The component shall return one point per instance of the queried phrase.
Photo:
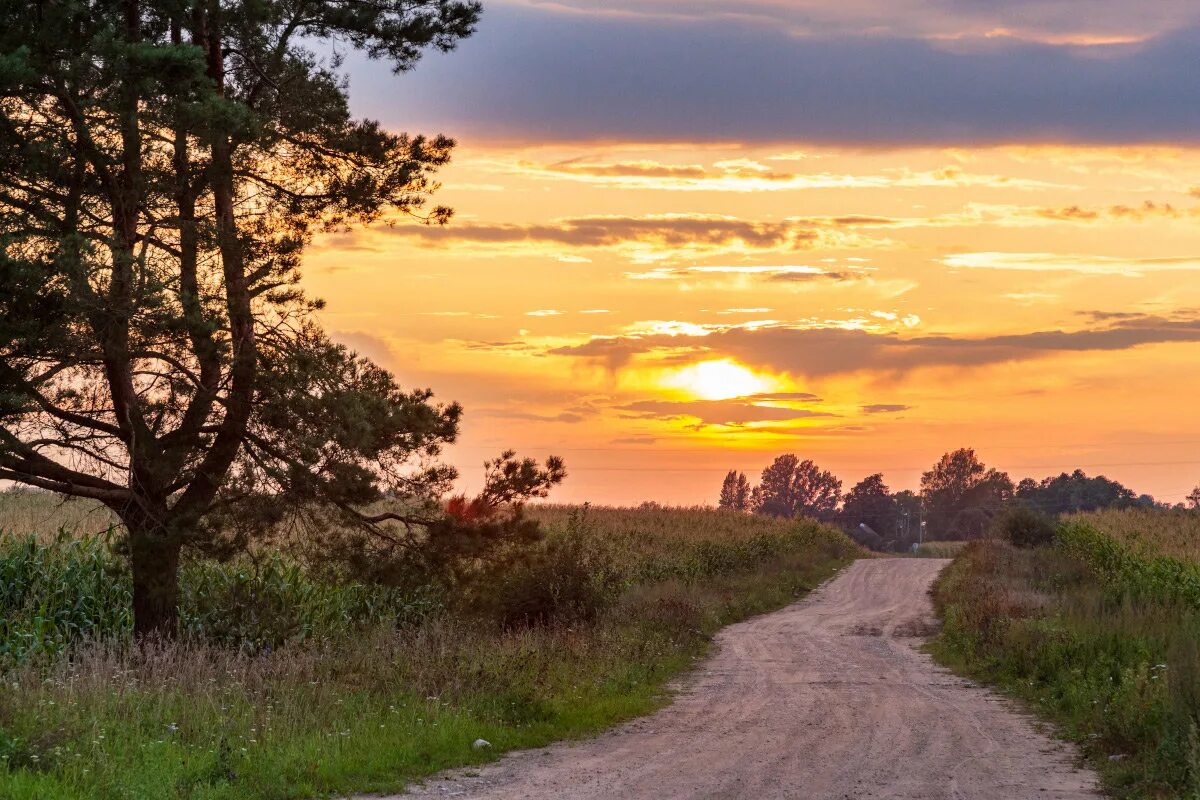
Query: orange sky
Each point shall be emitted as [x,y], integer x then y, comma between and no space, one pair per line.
[658,314]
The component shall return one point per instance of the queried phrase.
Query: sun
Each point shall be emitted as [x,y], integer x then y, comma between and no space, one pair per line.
[717,380]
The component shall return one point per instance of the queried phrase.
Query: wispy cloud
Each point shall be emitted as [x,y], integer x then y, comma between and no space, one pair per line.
[1067,262]
[738,411]
[884,408]
[646,239]
[746,175]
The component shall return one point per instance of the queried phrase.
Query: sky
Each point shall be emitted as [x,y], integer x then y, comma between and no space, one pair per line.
[692,236]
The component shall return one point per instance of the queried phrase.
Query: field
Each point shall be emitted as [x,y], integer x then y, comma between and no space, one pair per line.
[286,686]
[1099,632]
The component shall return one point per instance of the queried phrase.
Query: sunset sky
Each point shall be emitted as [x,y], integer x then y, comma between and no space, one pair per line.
[691,236]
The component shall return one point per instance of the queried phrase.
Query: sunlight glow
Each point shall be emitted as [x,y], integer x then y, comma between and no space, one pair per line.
[717,380]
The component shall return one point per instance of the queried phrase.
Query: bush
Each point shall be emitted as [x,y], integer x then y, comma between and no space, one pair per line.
[1024,527]
[567,577]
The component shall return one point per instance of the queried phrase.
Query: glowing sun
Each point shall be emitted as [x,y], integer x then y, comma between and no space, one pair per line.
[717,380]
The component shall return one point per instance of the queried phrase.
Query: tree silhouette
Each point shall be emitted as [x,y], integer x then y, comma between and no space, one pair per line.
[735,492]
[961,495]
[163,164]
[1073,492]
[870,502]
[791,487]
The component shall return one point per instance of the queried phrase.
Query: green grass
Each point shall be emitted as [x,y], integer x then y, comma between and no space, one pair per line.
[361,703]
[1100,641]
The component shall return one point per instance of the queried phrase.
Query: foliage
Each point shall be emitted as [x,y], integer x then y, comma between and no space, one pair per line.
[961,496]
[1126,572]
[1099,636]
[871,503]
[569,577]
[1022,526]
[791,488]
[1074,492]
[163,166]
[369,710]
[1150,532]
[58,595]
[735,492]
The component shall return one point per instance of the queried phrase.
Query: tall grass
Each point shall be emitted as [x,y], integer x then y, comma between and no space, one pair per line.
[1150,532]
[290,687]
[28,512]
[1100,632]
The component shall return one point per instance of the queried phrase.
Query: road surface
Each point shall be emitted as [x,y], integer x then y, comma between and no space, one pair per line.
[828,698]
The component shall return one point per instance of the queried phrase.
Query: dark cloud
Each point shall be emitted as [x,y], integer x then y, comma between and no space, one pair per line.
[738,411]
[1147,210]
[940,18]
[832,351]
[665,231]
[884,408]
[537,74]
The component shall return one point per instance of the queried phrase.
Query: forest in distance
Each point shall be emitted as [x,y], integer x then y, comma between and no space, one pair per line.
[960,498]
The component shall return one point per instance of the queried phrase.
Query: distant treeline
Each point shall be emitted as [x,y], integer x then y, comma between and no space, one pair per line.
[959,498]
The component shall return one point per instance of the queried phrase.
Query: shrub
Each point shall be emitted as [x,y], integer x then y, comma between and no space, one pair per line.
[1024,527]
[567,577]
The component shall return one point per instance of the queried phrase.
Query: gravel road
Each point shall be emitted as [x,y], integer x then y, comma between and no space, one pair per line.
[828,698]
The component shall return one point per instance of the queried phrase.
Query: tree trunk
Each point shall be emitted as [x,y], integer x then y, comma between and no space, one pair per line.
[154,560]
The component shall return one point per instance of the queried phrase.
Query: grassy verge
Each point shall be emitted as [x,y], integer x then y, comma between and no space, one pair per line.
[1099,640]
[367,708]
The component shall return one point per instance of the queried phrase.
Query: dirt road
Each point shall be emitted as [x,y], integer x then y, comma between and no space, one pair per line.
[825,699]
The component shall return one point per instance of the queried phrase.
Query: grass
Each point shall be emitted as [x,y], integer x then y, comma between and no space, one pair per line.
[362,704]
[1151,532]
[939,549]
[1097,635]
[41,514]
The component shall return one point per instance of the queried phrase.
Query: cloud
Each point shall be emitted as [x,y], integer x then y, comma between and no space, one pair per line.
[569,417]
[367,345]
[745,175]
[1041,20]
[545,312]
[739,411]
[769,272]
[1068,262]
[539,74]
[646,238]
[825,351]
[884,408]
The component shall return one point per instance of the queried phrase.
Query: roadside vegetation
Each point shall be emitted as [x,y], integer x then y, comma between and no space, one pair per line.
[285,683]
[1096,624]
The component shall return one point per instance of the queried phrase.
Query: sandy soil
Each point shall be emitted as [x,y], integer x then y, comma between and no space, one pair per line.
[828,698]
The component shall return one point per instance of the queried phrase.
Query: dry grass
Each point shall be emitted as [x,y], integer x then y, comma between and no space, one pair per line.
[26,511]
[1151,532]
[663,524]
